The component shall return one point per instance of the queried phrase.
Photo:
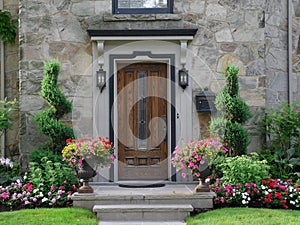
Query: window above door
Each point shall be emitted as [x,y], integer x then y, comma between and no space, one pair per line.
[142,6]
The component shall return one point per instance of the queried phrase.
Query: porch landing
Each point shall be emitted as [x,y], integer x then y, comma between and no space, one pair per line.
[111,194]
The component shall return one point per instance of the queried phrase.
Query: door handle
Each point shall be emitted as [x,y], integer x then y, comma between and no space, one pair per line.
[164,127]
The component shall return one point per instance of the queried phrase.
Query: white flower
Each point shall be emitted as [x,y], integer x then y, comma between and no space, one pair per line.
[263,187]
[244,202]
[291,195]
[18,181]
[249,198]
[266,192]
[44,199]
[35,190]
[207,180]
[292,202]
[270,190]
[233,194]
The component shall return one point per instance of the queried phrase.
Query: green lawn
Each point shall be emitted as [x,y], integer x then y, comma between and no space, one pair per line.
[65,216]
[226,216]
[247,216]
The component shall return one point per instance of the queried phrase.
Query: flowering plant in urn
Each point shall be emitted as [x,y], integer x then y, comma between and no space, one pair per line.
[86,155]
[196,156]
[98,150]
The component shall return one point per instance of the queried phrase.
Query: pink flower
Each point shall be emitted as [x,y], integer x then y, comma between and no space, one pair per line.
[52,188]
[282,187]
[53,200]
[183,175]
[34,199]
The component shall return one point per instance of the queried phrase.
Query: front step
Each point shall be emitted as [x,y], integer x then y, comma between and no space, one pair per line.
[141,212]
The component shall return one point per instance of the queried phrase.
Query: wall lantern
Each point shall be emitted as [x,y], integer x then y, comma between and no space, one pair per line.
[183,78]
[205,101]
[101,79]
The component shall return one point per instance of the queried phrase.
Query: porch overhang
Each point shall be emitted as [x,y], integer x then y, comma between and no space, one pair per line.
[142,34]
[181,35]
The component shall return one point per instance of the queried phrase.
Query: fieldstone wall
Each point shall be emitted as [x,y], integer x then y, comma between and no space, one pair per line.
[11,80]
[296,53]
[251,34]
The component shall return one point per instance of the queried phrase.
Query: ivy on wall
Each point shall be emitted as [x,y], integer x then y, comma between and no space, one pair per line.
[8,27]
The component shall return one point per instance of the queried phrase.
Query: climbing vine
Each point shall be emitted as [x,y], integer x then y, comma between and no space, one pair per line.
[48,120]
[8,27]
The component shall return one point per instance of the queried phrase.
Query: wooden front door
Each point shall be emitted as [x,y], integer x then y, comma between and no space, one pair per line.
[142,122]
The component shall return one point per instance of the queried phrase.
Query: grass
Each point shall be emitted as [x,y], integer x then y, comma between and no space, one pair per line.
[226,216]
[249,216]
[65,216]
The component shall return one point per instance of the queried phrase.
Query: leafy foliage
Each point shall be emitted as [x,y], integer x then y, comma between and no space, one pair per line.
[39,153]
[8,27]
[46,174]
[48,120]
[242,169]
[232,112]
[7,109]
[282,149]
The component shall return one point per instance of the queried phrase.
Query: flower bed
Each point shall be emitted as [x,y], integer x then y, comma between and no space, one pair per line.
[23,194]
[269,194]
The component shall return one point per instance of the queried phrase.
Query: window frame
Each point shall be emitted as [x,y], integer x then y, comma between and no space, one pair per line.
[116,10]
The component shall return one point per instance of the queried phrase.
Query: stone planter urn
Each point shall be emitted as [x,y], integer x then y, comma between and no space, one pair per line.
[202,187]
[86,173]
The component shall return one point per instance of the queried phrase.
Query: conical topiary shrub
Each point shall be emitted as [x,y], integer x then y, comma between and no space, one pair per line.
[232,113]
[48,120]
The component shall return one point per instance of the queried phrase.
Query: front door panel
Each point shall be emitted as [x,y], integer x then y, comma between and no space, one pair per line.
[142,122]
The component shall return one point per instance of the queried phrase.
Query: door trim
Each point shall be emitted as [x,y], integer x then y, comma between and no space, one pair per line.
[169,59]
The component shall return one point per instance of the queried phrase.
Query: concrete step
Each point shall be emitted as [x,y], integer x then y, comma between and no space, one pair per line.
[143,212]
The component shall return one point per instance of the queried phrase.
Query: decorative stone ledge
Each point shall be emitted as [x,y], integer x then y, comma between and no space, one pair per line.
[141,17]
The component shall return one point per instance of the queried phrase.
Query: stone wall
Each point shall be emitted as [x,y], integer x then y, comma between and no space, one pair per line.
[11,67]
[251,34]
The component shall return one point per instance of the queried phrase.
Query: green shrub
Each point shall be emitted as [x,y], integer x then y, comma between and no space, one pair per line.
[7,109]
[241,169]
[47,173]
[48,120]
[232,112]
[281,125]
[39,153]
[8,27]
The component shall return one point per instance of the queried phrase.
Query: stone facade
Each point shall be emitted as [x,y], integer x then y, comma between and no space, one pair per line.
[251,34]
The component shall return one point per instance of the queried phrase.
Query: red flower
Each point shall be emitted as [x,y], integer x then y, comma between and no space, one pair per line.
[269,196]
[278,195]
[69,140]
[285,206]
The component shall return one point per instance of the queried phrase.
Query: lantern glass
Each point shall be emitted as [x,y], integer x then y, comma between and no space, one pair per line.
[183,78]
[101,79]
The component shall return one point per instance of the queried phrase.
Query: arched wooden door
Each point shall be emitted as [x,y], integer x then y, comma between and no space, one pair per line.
[142,122]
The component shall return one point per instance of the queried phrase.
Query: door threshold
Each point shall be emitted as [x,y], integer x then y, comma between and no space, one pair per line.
[141,183]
